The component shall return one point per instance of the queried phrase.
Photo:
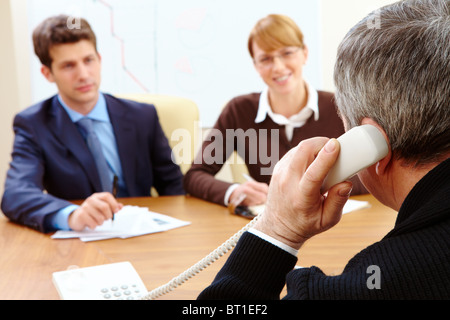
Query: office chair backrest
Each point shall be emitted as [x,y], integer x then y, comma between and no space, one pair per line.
[179,118]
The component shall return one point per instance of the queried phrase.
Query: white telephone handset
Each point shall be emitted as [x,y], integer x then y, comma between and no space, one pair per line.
[361,147]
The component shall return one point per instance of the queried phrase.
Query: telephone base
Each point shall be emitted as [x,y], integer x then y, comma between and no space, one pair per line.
[116,281]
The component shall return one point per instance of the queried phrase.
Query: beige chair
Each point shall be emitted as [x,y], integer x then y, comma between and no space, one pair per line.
[179,118]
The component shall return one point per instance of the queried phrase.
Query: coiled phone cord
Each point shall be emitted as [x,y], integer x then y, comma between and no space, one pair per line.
[201,265]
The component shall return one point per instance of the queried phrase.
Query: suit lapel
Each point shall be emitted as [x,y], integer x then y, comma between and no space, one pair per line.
[125,134]
[66,131]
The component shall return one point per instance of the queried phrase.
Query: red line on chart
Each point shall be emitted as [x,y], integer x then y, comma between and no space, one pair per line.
[122,45]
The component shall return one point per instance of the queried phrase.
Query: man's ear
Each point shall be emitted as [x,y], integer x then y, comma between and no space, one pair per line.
[47,73]
[382,165]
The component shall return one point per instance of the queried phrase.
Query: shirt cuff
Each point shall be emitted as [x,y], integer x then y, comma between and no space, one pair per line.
[60,220]
[230,190]
[273,241]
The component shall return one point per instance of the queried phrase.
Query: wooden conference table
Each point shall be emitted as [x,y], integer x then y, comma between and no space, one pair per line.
[28,258]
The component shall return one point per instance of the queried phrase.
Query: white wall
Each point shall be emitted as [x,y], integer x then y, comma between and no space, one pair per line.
[337,16]
[15,86]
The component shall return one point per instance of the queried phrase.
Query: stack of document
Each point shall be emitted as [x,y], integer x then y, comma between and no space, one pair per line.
[131,221]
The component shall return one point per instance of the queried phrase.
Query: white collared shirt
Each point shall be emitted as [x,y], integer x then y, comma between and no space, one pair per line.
[295,121]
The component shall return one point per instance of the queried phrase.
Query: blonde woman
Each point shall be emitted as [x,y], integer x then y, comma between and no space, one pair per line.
[263,126]
[376,76]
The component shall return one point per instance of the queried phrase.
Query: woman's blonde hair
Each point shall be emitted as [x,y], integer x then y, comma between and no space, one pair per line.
[274,32]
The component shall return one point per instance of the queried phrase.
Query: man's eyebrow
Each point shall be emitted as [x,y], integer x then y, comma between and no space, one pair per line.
[91,55]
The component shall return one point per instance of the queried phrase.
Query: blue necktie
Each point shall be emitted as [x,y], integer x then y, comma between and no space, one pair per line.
[96,149]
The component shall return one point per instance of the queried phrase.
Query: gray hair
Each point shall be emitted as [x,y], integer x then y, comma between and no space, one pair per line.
[399,75]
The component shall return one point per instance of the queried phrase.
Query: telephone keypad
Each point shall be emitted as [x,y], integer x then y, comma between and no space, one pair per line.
[125,291]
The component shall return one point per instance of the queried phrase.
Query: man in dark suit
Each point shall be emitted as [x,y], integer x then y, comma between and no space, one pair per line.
[53,160]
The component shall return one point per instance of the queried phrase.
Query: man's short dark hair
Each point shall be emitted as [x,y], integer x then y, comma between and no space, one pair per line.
[60,30]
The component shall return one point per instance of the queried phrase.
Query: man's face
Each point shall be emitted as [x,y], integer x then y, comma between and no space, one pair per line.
[76,71]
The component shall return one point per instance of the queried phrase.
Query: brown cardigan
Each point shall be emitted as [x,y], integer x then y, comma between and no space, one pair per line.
[255,149]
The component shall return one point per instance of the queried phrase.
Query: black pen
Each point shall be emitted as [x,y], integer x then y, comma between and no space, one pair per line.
[114,189]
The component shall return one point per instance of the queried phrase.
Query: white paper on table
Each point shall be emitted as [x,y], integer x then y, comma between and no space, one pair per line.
[353,205]
[131,221]
[350,205]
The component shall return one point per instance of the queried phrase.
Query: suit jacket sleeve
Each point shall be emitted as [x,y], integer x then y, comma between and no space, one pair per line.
[24,200]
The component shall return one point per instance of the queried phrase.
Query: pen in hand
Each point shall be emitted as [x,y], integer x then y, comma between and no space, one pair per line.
[114,190]
[247,177]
